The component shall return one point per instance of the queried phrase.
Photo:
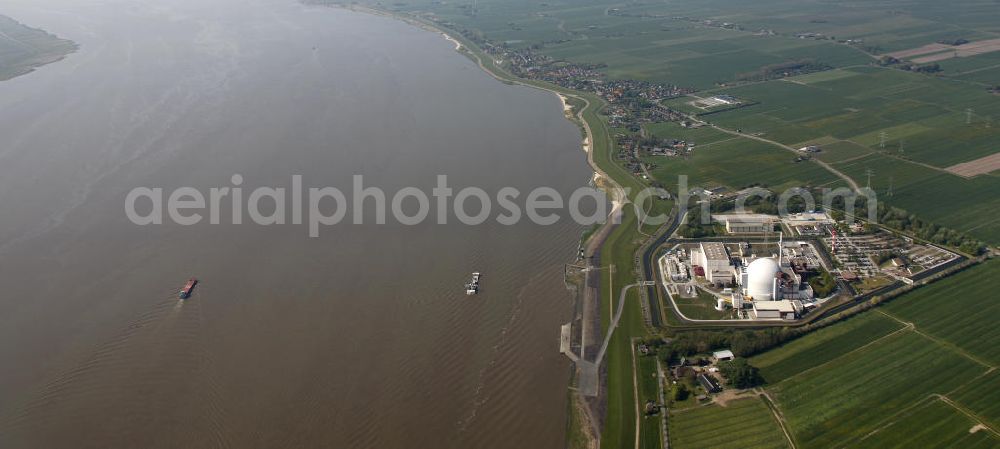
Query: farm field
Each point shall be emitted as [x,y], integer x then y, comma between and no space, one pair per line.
[849,115]
[854,395]
[699,136]
[957,67]
[689,55]
[986,75]
[649,427]
[980,397]
[689,43]
[823,346]
[703,44]
[708,426]
[842,151]
[965,204]
[957,317]
[725,162]
[936,121]
[935,375]
[932,424]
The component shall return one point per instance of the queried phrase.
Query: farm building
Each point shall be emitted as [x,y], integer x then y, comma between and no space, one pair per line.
[726,99]
[709,383]
[723,355]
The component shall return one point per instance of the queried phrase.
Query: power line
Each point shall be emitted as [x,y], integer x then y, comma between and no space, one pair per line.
[870,173]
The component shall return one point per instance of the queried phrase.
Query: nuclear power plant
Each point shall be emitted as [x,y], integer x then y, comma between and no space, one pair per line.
[751,285]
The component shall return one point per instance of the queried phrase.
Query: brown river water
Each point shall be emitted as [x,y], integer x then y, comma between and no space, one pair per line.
[361,338]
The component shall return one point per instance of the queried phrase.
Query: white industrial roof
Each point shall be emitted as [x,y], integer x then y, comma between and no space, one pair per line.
[745,218]
[723,354]
[780,306]
[715,251]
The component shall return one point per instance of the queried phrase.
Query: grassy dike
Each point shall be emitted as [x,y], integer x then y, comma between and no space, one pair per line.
[619,250]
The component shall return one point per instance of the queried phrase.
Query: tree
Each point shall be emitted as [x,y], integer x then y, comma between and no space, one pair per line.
[740,374]
[680,391]
[824,283]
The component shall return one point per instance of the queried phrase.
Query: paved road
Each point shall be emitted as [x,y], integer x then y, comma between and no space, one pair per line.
[614,321]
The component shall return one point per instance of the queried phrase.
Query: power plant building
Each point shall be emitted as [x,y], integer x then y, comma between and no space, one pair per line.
[759,280]
[746,223]
[713,257]
[771,292]
[776,310]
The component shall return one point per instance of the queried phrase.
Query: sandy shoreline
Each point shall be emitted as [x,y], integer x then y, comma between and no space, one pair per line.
[458,45]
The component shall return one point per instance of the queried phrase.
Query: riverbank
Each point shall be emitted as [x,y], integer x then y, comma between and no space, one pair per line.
[25,49]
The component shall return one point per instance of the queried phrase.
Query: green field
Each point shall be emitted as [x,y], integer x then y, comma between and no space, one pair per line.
[861,390]
[927,115]
[968,205]
[649,426]
[698,136]
[726,163]
[22,49]
[932,424]
[924,121]
[840,151]
[956,315]
[823,346]
[980,396]
[741,424]
[701,307]
[670,41]
[982,69]
[871,382]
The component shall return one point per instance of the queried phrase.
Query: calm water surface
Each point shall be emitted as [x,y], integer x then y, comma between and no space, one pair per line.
[361,338]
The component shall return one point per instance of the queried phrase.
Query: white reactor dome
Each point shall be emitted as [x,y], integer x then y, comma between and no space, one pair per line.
[760,279]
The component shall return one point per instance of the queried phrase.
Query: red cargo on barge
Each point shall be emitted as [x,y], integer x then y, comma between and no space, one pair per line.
[188,288]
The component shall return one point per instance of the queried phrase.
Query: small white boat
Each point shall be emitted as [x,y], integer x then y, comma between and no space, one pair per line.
[473,287]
